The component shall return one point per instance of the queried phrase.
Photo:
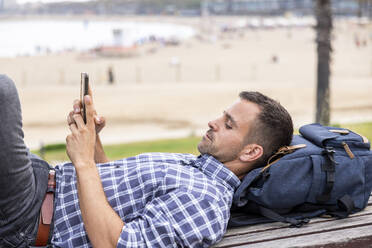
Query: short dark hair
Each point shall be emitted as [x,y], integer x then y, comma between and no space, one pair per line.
[272,128]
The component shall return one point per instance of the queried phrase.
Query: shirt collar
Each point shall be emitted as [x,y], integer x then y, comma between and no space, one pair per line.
[214,168]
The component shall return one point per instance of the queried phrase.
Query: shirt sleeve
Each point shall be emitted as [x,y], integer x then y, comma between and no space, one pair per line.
[177,219]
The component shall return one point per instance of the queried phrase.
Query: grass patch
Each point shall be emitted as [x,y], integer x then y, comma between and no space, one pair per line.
[184,145]
[57,152]
[364,129]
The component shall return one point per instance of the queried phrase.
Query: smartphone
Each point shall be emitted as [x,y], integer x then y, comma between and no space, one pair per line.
[84,86]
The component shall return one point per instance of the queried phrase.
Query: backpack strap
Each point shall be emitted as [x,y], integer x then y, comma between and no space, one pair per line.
[280,153]
[272,215]
[346,206]
[330,169]
[247,219]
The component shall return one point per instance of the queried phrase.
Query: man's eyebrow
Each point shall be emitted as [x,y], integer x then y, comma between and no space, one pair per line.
[230,118]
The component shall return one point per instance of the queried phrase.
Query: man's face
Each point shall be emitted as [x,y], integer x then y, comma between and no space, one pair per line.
[225,138]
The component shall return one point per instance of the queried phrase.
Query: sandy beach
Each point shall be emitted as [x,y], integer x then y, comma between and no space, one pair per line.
[174,91]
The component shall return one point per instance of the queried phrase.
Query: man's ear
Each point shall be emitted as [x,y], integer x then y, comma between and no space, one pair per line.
[251,152]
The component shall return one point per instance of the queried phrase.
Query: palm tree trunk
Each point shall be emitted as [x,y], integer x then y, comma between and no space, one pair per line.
[229,7]
[324,49]
[360,8]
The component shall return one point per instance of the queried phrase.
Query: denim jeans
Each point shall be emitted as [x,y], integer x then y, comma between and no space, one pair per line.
[23,176]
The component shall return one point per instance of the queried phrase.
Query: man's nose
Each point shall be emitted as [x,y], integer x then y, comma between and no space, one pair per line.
[213,125]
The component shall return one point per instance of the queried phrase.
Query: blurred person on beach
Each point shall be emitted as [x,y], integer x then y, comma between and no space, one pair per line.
[110,75]
[150,200]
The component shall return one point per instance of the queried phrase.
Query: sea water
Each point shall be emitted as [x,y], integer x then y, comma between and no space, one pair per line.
[27,38]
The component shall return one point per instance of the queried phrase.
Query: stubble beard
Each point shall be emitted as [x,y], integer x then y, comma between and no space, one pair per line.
[206,146]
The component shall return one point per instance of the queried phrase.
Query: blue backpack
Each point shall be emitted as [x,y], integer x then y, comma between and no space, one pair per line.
[325,170]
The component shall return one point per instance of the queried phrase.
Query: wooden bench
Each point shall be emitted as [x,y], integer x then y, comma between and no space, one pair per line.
[354,231]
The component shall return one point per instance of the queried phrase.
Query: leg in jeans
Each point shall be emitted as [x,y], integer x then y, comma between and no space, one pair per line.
[21,183]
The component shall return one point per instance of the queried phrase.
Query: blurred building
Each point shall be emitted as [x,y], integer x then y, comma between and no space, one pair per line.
[281,7]
[193,7]
[8,4]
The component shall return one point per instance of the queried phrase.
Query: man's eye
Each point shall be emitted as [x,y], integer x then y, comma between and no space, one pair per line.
[228,126]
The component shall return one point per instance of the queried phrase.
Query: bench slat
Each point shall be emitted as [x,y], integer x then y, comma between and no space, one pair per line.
[277,232]
[340,237]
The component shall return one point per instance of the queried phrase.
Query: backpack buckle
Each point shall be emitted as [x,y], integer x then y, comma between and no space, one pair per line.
[298,223]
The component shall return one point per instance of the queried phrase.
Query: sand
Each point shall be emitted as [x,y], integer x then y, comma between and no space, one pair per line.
[154,99]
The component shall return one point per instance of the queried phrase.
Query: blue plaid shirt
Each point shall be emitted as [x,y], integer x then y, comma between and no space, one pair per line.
[165,200]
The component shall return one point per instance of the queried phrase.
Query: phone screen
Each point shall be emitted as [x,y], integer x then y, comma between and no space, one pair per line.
[84,84]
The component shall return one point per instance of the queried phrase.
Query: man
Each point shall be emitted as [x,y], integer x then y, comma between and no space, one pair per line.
[151,200]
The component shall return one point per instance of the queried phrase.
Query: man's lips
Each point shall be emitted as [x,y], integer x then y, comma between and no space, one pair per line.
[209,136]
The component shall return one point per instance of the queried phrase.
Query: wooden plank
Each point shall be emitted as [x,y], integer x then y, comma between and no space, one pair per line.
[362,242]
[277,225]
[279,235]
[257,236]
[337,238]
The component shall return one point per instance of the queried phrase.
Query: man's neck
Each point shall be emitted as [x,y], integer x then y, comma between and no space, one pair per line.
[238,168]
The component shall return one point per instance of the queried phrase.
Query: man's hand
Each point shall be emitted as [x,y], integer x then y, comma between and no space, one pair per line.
[81,142]
[100,123]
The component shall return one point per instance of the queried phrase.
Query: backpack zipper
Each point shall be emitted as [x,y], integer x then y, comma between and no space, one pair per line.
[347,150]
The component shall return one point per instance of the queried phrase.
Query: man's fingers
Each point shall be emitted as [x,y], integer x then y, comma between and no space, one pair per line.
[79,121]
[90,91]
[73,128]
[69,118]
[77,106]
[90,111]
[98,119]
[103,120]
